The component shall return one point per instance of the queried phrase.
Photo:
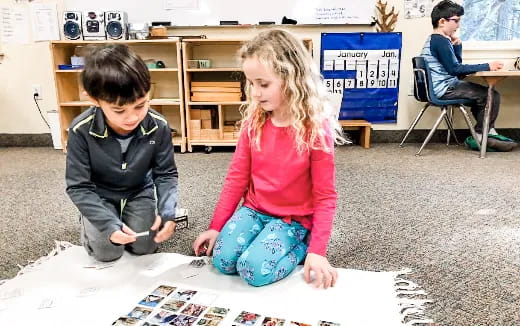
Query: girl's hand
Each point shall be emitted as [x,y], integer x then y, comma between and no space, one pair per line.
[205,242]
[324,273]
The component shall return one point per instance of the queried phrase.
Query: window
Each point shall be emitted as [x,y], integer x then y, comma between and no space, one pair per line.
[491,20]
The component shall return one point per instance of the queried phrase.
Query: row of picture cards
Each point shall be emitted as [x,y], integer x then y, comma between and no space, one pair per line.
[171,305]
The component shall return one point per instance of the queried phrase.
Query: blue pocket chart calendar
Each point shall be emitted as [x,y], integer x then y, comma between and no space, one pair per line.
[364,68]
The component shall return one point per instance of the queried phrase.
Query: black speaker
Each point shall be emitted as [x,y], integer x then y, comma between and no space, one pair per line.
[72,25]
[116,25]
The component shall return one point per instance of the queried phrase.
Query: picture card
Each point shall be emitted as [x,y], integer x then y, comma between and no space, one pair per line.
[125,321]
[184,294]
[173,305]
[151,300]
[193,310]
[270,321]
[163,290]
[140,312]
[247,318]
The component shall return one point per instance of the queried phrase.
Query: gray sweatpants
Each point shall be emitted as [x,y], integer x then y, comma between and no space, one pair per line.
[138,214]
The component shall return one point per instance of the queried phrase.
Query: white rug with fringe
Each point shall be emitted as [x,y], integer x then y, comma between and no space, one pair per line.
[67,287]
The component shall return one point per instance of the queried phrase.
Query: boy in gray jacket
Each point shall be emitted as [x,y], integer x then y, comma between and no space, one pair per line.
[118,152]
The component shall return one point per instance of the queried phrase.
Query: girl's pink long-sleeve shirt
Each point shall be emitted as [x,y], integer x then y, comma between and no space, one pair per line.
[276,180]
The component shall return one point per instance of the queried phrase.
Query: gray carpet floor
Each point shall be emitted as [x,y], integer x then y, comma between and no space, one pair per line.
[449,216]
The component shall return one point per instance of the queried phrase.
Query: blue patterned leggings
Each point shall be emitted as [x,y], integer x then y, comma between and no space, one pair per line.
[261,248]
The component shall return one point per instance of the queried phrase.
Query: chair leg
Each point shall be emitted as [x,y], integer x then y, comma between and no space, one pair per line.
[414,123]
[435,126]
[448,117]
[449,122]
[470,125]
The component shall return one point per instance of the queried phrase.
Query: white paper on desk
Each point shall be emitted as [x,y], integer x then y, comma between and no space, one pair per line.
[14,24]
[44,17]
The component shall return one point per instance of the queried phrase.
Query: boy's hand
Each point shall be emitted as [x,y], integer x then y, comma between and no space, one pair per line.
[324,273]
[496,65]
[455,40]
[205,242]
[165,233]
[126,235]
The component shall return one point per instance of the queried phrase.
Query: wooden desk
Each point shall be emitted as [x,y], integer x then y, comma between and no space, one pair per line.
[491,78]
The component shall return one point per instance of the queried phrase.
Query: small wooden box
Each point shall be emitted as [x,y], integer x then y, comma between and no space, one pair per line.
[228,135]
[195,124]
[195,134]
[206,123]
[205,114]
[195,114]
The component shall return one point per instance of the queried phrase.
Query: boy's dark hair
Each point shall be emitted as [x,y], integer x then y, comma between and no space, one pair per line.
[115,74]
[445,9]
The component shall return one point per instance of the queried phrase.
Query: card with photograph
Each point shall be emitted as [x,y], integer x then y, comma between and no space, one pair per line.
[163,290]
[173,305]
[247,318]
[151,301]
[193,310]
[140,312]
[297,323]
[270,321]
[327,323]
[183,320]
[183,294]
[163,317]
[209,322]
[216,312]
[125,321]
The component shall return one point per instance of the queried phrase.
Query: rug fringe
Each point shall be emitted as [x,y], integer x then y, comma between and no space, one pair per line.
[58,248]
[411,300]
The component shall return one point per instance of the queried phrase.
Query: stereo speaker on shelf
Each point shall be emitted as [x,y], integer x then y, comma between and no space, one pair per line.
[116,25]
[94,25]
[72,25]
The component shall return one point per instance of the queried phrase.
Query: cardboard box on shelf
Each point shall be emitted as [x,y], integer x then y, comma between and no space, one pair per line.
[195,114]
[206,124]
[228,135]
[195,134]
[195,124]
[205,114]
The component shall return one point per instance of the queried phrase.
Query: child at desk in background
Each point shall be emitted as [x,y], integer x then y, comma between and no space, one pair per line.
[443,53]
[283,167]
[119,152]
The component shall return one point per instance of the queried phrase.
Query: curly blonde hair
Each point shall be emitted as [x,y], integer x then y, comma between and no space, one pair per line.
[313,116]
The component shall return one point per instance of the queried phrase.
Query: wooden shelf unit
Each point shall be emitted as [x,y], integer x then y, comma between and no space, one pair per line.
[167,87]
[224,67]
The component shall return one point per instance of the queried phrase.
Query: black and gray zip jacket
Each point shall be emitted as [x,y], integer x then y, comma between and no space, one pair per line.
[97,170]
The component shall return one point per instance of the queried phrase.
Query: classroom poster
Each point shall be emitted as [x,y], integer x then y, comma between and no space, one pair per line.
[364,69]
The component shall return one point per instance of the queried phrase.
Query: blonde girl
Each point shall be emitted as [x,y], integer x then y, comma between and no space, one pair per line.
[283,169]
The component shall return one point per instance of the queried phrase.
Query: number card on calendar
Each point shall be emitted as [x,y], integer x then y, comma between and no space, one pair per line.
[364,67]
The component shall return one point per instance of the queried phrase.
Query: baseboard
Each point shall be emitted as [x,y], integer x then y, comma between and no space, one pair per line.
[25,140]
[377,136]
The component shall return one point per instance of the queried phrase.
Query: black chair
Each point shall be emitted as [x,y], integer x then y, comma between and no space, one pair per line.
[423,92]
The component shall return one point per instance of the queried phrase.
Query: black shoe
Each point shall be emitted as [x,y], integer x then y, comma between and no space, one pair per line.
[501,145]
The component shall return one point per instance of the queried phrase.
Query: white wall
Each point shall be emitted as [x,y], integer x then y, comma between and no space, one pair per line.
[24,65]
